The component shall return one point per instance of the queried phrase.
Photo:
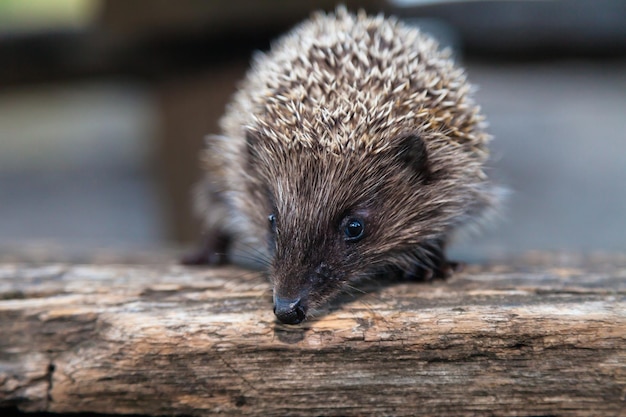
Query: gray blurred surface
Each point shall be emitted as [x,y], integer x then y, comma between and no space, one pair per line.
[75,166]
[560,146]
[74,161]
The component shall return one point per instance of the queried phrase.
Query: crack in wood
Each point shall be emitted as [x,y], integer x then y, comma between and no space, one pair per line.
[49,379]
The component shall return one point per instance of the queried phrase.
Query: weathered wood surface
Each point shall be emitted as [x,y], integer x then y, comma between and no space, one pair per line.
[542,336]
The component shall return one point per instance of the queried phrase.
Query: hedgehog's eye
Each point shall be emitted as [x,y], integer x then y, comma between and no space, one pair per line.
[272,219]
[354,230]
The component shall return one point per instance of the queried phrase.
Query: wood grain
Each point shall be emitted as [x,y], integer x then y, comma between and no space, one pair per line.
[543,335]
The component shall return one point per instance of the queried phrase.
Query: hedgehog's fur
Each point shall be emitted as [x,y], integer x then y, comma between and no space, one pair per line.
[348,116]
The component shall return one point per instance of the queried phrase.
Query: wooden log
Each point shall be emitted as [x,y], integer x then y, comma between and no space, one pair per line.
[545,335]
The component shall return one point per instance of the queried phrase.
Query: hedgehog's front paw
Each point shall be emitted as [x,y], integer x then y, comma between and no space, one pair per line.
[440,269]
[445,269]
[213,250]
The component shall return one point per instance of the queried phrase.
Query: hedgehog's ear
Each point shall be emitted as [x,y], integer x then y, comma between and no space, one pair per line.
[410,150]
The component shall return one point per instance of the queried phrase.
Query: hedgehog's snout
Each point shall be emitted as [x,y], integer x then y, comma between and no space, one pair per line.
[289,311]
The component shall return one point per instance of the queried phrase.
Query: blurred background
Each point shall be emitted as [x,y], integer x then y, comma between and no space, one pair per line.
[104,105]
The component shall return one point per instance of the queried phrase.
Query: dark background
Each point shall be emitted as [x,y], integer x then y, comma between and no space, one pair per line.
[104,104]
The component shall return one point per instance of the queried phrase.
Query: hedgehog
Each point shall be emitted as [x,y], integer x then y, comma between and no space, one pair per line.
[352,149]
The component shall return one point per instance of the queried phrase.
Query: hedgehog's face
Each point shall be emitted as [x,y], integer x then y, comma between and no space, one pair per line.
[331,219]
[310,264]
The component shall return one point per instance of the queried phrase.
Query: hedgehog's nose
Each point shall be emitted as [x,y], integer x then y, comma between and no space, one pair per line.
[289,311]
